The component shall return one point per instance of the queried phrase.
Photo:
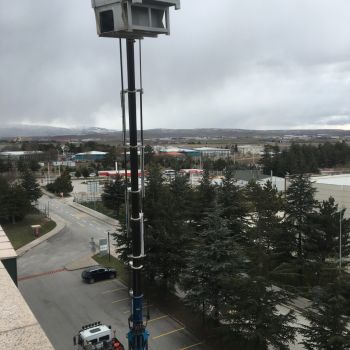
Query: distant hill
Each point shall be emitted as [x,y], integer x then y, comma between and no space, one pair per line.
[18,130]
[43,131]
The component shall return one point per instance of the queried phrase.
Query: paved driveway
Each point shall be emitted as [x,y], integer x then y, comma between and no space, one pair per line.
[62,303]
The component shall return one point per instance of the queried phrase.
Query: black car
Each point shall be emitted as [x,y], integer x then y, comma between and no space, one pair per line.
[98,273]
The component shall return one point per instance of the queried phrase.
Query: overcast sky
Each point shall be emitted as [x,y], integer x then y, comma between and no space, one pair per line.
[252,64]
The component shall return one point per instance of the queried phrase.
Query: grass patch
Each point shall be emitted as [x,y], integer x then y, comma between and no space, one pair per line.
[114,263]
[21,233]
[98,206]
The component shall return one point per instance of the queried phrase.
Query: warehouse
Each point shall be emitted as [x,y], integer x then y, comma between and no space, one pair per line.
[337,186]
[93,156]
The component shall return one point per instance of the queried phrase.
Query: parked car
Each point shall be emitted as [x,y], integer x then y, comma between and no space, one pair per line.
[92,175]
[98,273]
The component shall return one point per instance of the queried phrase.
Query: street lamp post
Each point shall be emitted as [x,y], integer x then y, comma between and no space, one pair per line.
[131,20]
[340,239]
[109,248]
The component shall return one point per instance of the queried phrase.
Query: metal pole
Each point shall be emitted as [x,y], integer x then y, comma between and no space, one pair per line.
[109,249]
[340,239]
[137,336]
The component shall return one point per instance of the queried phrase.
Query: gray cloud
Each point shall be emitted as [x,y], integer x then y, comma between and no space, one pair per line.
[233,63]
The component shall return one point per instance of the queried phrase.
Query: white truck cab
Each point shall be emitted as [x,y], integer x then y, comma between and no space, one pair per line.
[96,336]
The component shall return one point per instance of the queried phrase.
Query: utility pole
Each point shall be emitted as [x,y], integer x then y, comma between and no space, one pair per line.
[137,335]
[132,20]
[340,238]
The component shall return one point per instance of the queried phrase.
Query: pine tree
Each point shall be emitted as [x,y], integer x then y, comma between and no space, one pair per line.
[300,203]
[62,184]
[113,196]
[4,195]
[252,315]
[214,258]
[266,231]
[328,325]
[322,235]
[156,200]
[204,198]
[18,204]
[234,207]
[30,185]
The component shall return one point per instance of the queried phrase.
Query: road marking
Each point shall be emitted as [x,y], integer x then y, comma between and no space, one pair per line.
[157,318]
[171,332]
[120,300]
[191,346]
[113,290]
[128,310]
[40,274]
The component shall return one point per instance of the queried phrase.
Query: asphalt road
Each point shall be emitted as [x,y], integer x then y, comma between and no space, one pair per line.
[67,246]
[62,303]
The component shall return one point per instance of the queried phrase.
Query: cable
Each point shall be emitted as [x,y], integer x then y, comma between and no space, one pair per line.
[142,153]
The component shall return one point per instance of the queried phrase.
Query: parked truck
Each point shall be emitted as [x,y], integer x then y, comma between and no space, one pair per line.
[96,336]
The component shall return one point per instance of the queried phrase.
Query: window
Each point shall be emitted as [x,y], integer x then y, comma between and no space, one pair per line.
[104,338]
[157,18]
[140,16]
[106,21]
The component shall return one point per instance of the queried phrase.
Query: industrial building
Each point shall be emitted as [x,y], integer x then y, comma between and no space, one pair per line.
[93,156]
[202,152]
[336,186]
[212,152]
[23,155]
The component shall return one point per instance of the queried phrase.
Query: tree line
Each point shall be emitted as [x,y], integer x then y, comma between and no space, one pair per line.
[228,248]
[304,158]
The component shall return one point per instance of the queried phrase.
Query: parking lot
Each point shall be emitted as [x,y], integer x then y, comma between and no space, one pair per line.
[63,303]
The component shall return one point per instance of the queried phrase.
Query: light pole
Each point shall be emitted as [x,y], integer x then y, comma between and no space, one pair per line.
[340,238]
[58,163]
[131,20]
[109,248]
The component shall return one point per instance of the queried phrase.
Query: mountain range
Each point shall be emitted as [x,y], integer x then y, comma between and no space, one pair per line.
[43,131]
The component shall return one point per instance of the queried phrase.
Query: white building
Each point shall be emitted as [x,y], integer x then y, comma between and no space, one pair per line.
[212,152]
[337,186]
[250,149]
[277,182]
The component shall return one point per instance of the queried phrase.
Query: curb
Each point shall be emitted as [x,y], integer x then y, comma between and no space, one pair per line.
[82,263]
[60,225]
[95,214]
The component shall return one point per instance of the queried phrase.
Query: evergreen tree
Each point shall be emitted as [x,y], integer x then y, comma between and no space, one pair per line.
[251,314]
[149,154]
[113,195]
[156,201]
[234,207]
[4,166]
[322,235]
[18,204]
[4,195]
[30,185]
[33,165]
[122,237]
[213,260]
[62,184]
[328,325]
[266,231]
[300,203]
